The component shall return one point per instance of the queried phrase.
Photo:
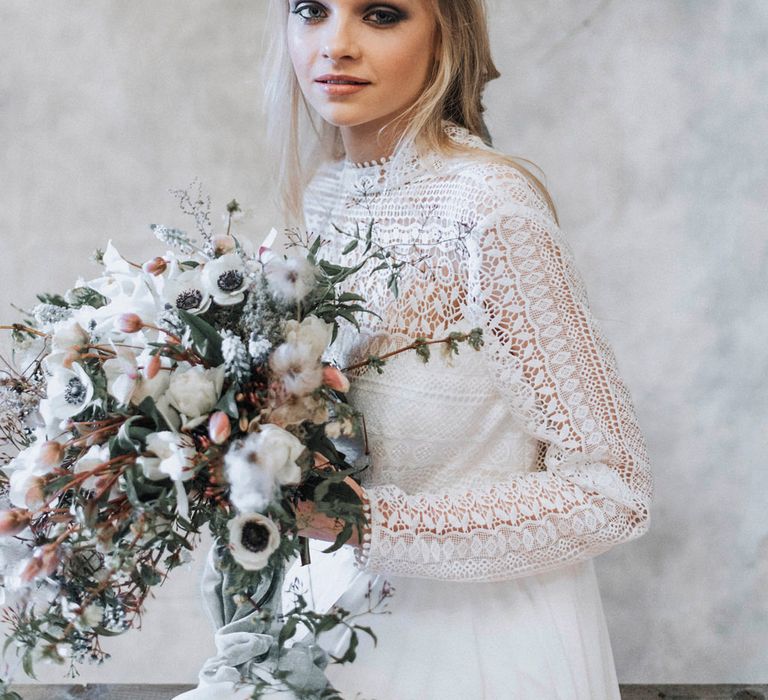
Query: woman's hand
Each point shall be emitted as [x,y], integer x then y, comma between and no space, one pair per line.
[319,526]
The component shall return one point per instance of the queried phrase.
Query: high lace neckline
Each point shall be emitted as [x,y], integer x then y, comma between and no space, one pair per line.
[368,163]
[407,164]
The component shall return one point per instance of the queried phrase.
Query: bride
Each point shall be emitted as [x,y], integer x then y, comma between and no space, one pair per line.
[496,476]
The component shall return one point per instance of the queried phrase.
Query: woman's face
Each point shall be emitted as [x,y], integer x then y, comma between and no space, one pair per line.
[386,48]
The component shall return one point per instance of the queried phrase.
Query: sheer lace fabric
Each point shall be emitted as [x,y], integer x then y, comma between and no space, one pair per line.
[489,465]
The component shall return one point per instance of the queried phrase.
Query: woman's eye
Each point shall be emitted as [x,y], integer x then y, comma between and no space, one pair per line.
[309,13]
[384,17]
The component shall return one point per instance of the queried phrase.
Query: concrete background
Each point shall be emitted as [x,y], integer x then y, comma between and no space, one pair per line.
[649,120]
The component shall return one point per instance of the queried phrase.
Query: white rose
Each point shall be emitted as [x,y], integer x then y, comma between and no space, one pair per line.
[194,391]
[252,539]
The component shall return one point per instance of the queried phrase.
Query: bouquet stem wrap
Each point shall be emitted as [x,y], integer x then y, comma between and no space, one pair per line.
[246,645]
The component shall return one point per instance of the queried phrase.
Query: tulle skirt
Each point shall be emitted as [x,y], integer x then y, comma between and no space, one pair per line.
[538,637]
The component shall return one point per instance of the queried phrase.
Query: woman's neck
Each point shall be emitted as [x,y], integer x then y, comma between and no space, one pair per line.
[364,143]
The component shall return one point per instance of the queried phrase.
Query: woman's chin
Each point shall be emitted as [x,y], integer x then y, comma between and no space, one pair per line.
[347,115]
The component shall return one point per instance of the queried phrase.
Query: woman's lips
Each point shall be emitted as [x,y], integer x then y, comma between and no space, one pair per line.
[340,88]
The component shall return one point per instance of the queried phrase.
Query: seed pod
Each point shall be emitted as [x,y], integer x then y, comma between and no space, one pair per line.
[13,521]
[222,245]
[156,266]
[333,378]
[129,323]
[153,367]
[219,427]
[34,497]
[51,453]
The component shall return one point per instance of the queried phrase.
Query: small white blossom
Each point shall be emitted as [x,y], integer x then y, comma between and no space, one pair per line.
[48,315]
[68,335]
[128,383]
[173,237]
[30,464]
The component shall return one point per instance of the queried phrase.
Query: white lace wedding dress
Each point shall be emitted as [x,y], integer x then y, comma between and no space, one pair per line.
[496,476]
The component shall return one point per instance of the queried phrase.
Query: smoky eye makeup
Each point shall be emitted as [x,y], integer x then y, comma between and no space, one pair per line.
[379,14]
[383,15]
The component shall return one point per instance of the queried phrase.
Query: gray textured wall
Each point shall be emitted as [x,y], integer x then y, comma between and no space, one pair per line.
[649,120]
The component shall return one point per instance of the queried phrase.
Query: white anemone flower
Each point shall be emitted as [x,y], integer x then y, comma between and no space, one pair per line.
[290,279]
[225,279]
[252,539]
[69,391]
[187,291]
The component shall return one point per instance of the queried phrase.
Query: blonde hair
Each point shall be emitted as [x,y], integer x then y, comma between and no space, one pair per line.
[301,140]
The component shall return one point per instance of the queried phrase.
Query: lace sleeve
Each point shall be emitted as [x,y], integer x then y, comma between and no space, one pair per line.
[558,377]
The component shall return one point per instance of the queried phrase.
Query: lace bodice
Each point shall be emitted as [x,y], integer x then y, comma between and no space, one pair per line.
[519,458]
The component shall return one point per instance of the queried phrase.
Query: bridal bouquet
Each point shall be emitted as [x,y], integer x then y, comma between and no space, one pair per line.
[165,395]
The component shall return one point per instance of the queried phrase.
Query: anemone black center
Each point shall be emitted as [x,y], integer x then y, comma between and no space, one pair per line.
[230,281]
[74,392]
[189,299]
[255,537]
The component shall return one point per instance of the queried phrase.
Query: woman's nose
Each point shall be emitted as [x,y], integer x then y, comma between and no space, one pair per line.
[340,42]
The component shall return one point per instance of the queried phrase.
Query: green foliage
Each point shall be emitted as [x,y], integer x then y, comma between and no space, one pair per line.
[85,296]
[205,338]
[54,299]
[120,536]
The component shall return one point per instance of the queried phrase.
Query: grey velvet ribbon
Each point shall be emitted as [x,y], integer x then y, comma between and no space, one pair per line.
[246,643]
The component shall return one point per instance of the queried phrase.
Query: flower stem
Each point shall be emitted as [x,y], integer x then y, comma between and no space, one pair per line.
[20,327]
[413,346]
